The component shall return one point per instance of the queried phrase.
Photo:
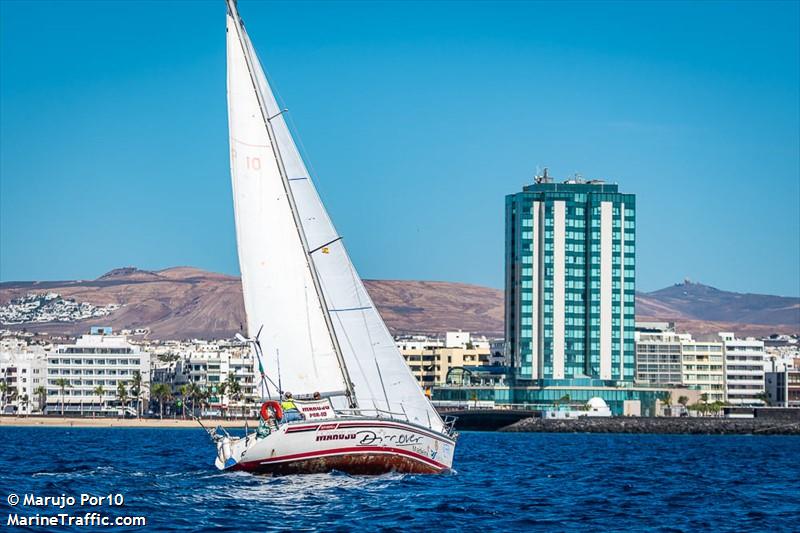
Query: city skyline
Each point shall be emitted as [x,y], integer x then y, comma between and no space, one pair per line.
[418,119]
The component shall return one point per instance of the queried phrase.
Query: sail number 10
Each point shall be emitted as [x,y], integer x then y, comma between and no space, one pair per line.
[250,163]
[253,163]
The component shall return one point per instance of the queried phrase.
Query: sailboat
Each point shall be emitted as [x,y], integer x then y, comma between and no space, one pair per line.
[313,327]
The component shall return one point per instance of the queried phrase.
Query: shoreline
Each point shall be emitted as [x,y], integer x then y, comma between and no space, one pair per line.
[629,425]
[103,422]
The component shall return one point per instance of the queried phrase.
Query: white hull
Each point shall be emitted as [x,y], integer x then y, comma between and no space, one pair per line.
[352,445]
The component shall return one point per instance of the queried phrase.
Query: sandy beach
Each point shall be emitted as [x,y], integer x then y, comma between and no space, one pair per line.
[102,422]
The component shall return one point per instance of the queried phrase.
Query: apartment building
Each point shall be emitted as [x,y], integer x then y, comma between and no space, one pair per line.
[431,365]
[99,359]
[208,365]
[744,370]
[702,368]
[659,357]
[22,370]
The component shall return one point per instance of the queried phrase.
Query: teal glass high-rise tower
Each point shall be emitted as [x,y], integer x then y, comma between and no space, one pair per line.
[570,281]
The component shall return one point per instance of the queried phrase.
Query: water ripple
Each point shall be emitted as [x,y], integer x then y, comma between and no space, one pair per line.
[542,482]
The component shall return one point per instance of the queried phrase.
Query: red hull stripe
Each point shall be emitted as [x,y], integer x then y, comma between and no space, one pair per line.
[397,426]
[291,429]
[304,427]
[340,451]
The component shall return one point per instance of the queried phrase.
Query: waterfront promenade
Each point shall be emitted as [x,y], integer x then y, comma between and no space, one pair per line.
[107,422]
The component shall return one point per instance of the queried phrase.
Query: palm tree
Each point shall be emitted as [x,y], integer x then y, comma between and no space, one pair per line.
[182,393]
[122,394]
[205,397]
[704,400]
[222,388]
[764,397]
[41,393]
[161,392]
[199,395]
[683,400]
[233,389]
[3,390]
[136,391]
[195,393]
[100,391]
[62,384]
[23,402]
[667,399]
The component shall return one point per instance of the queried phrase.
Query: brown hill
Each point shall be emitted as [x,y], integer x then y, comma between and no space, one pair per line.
[186,302]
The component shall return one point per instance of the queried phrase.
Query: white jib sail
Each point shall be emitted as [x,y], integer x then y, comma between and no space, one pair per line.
[380,376]
[279,294]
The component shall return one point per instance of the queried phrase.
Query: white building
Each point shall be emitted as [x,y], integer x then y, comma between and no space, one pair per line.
[781,358]
[22,369]
[456,339]
[208,365]
[95,360]
[417,342]
[658,356]
[783,388]
[744,370]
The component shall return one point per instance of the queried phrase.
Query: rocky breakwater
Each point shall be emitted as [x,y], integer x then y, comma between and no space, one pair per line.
[663,425]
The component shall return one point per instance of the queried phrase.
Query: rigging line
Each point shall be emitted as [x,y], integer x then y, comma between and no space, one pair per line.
[320,247]
[294,135]
[308,330]
[358,361]
[356,283]
[264,376]
[246,47]
[383,386]
[278,357]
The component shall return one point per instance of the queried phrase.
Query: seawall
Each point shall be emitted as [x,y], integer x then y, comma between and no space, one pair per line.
[662,425]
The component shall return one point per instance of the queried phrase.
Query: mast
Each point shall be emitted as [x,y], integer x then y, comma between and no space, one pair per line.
[293,206]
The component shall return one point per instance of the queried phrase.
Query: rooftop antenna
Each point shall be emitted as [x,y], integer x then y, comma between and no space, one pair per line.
[544,178]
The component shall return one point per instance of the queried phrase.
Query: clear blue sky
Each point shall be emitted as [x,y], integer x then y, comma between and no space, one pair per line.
[418,119]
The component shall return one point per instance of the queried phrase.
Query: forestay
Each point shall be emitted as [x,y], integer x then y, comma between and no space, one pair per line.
[380,376]
[279,295]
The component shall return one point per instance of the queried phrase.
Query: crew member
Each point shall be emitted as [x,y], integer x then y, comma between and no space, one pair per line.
[290,410]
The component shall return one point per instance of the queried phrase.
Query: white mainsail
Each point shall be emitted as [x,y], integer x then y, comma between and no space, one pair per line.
[380,377]
[279,295]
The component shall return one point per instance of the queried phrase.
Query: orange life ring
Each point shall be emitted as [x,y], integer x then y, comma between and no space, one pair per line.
[276,408]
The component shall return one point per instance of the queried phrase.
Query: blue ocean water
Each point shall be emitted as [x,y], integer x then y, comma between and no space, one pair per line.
[504,481]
